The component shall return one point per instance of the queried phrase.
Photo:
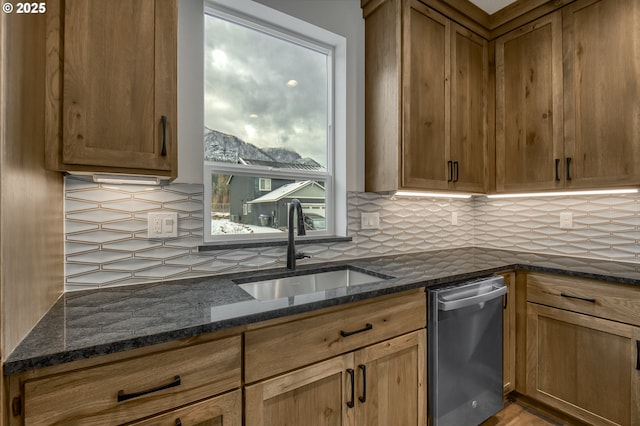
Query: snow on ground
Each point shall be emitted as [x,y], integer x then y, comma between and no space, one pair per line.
[225,226]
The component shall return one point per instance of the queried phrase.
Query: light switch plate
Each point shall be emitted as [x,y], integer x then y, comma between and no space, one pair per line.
[162,225]
[370,220]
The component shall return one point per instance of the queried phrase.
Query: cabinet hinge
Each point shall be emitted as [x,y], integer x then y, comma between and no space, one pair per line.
[16,406]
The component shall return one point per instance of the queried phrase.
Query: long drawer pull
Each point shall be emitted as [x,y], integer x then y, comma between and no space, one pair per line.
[585,299]
[351,403]
[637,354]
[127,396]
[351,333]
[363,398]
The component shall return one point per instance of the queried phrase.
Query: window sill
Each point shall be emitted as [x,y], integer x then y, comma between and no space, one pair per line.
[226,245]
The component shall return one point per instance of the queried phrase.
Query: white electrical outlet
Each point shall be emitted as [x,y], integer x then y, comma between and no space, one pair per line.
[566,220]
[162,225]
[454,218]
[369,220]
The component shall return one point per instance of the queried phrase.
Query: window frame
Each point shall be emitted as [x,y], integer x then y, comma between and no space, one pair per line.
[261,18]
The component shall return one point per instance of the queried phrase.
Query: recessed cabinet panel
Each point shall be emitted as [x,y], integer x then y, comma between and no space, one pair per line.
[391,382]
[469,74]
[529,107]
[426,98]
[602,92]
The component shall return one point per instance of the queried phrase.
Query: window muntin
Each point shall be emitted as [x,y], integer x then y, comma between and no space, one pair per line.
[268,109]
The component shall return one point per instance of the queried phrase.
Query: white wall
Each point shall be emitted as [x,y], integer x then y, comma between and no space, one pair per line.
[190,91]
[343,17]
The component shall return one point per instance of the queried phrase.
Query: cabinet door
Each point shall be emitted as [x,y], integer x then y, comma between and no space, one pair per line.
[509,334]
[469,74]
[391,384]
[224,410]
[118,81]
[529,146]
[314,395]
[426,62]
[583,365]
[601,41]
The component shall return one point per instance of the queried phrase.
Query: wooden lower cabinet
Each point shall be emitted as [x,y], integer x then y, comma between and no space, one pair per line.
[381,384]
[187,381]
[224,410]
[583,365]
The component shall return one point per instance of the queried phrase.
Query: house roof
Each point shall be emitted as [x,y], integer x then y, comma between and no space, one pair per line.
[281,164]
[307,189]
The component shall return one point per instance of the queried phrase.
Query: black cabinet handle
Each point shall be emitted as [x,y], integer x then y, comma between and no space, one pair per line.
[351,402]
[457,171]
[637,354]
[351,333]
[568,168]
[363,398]
[557,174]
[505,301]
[584,299]
[178,422]
[126,396]
[163,119]
[450,165]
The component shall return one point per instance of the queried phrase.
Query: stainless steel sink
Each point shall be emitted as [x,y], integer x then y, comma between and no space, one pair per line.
[306,282]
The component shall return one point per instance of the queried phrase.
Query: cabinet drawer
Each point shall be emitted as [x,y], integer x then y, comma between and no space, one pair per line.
[617,302]
[274,350]
[223,410]
[144,385]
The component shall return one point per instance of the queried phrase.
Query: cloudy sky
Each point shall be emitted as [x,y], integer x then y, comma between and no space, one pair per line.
[247,95]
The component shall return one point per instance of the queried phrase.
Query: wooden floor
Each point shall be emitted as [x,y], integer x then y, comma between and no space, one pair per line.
[515,414]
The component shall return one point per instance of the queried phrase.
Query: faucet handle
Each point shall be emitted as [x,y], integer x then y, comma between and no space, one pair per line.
[301,255]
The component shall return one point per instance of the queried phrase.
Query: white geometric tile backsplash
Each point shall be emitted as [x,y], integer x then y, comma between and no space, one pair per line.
[106,234]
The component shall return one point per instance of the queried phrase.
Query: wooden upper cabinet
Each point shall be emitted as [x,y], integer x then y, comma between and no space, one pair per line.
[601,40]
[529,143]
[112,86]
[425,100]
[468,127]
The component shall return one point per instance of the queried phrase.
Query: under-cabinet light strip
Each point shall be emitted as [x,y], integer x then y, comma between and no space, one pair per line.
[565,193]
[429,194]
[124,180]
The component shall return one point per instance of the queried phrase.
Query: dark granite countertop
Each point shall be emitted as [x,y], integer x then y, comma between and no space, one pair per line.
[97,322]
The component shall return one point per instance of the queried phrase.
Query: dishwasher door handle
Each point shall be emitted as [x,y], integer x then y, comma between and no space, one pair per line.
[450,305]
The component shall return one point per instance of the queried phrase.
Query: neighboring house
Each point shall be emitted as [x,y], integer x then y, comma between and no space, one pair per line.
[246,189]
[271,209]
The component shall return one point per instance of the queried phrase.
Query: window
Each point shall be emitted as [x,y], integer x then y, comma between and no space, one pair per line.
[264,184]
[269,133]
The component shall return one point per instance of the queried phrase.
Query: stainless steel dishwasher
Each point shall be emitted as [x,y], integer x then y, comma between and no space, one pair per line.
[465,352]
